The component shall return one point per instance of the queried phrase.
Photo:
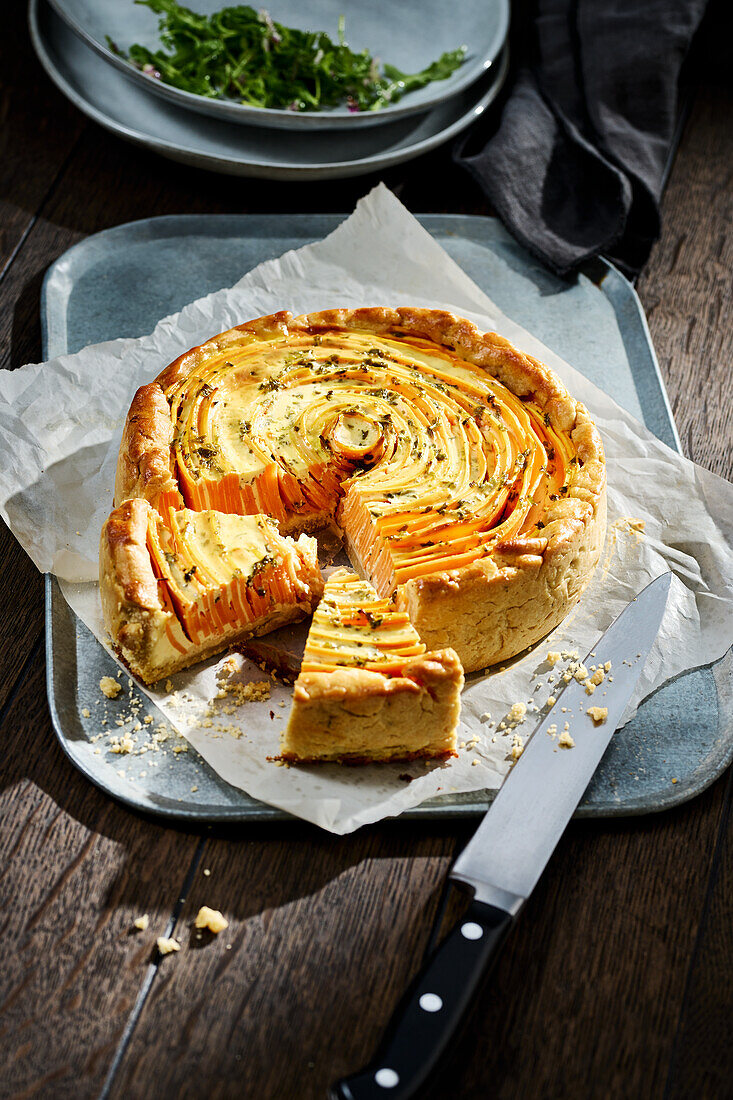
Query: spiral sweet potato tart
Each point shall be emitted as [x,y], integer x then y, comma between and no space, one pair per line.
[367,689]
[468,485]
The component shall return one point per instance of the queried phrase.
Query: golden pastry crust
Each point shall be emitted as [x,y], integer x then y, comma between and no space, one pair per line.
[144,463]
[146,631]
[134,614]
[490,608]
[497,606]
[355,716]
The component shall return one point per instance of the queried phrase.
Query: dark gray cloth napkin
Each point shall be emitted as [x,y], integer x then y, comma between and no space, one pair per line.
[577,165]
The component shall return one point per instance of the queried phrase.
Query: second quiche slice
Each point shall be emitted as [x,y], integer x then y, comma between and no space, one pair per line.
[367,690]
[175,594]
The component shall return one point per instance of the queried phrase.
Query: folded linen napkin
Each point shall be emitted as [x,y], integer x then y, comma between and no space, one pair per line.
[577,165]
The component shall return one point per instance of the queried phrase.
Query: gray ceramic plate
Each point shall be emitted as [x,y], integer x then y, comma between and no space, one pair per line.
[95,292]
[409,34]
[128,111]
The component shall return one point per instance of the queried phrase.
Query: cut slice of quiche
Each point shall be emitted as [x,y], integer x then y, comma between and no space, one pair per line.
[176,593]
[367,690]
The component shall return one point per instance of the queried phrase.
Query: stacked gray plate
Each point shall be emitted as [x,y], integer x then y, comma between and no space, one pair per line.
[70,39]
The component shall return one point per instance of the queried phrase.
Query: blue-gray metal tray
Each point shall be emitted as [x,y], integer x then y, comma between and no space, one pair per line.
[122,281]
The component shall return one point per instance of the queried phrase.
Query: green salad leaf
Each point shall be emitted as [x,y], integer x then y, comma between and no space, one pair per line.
[244,55]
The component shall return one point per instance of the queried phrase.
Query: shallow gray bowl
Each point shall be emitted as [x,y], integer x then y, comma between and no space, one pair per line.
[407,33]
[128,111]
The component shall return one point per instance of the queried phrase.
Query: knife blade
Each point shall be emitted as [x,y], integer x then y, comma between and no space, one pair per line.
[503,861]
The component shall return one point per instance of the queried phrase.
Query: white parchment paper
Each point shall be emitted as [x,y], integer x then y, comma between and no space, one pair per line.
[60,425]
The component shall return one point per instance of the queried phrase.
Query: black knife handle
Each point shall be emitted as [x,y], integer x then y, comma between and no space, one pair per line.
[430,1011]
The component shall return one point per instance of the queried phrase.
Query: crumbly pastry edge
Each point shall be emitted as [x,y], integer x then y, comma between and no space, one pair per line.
[358,716]
[493,608]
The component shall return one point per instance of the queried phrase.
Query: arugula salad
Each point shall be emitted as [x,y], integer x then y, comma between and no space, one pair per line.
[245,55]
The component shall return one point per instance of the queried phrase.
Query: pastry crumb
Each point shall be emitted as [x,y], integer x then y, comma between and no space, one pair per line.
[166,946]
[120,746]
[207,872]
[565,741]
[517,746]
[141,923]
[109,687]
[212,919]
[631,525]
[598,714]
[553,657]
[518,712]
[590,687]
[256,692]
[85,712]
[551,700]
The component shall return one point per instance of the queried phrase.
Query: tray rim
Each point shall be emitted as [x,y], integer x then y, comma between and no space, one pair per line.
[617,283]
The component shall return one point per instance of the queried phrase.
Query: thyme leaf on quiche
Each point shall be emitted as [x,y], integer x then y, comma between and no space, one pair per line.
[244,55]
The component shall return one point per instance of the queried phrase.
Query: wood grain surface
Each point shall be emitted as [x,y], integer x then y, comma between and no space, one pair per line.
[617,981]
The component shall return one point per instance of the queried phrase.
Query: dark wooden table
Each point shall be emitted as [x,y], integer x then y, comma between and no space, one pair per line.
[617,983]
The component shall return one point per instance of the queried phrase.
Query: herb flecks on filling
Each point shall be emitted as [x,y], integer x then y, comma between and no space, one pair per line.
[426,460]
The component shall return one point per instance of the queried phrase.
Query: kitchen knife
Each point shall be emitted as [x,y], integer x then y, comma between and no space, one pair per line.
[503,861]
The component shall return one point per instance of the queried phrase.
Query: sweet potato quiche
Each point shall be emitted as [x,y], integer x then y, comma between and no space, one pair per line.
[465,481]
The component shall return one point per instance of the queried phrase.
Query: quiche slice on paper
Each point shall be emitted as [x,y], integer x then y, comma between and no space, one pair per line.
[367,689]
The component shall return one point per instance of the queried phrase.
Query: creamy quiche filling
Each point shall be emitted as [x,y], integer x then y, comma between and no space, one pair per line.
[219,572]
[424,460]
[353,628]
